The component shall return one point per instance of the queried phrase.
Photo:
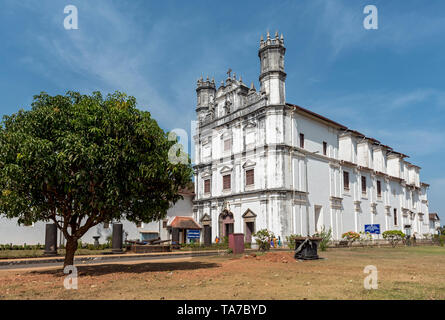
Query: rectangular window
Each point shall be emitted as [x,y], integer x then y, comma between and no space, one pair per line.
[106,225]
[164,224]
[207,186]
[346,180]
[301,140]
[395,216]
[363,185]
[226,182]
[325,148]
[227,145]
[250,180]
[379,188]
[140,225]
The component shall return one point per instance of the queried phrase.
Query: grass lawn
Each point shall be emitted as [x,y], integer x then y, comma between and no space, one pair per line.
[403,273]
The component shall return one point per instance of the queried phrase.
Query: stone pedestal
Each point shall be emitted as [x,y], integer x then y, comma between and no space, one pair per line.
[306,248]
[116,241]
[50,240]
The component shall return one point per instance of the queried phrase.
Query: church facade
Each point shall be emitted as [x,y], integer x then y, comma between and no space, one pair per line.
[264,163]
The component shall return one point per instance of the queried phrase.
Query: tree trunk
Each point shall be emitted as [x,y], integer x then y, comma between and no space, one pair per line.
[71,247]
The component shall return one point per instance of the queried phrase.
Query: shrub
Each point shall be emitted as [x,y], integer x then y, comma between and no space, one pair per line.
[325,238]
[350,236]
[291,240]
[109,240]
[365,237]
[262,238]
[393,236]
[440,240]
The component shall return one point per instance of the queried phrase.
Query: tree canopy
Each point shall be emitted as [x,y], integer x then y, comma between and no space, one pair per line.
[79,160]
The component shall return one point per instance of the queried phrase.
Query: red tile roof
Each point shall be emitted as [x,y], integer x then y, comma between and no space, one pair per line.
[184,223]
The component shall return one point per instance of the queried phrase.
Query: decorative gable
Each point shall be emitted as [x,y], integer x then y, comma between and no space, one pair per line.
[226,169]
[249,163]
[249,216]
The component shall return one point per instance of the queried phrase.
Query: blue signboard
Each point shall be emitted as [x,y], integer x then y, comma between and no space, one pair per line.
[193,234]
[372,228]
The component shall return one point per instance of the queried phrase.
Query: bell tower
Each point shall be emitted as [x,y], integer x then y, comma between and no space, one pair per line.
[272,77]
[206,92]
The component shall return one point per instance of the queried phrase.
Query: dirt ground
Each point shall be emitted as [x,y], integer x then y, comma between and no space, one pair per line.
[403,273]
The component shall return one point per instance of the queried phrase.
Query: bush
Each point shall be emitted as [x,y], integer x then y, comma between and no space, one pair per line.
[325,238]
[262,238]
[350,236]
[393,236]
[290,239]
[440,240]
[365,237]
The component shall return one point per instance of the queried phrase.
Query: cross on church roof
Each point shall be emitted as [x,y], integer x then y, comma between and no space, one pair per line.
[229,72]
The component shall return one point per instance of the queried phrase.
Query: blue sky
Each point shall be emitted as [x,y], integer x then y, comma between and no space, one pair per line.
[387,83]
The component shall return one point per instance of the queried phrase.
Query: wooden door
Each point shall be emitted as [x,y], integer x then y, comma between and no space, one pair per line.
[249,232]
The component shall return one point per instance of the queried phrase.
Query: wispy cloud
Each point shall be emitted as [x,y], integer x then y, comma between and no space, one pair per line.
[387,116]
[399,28]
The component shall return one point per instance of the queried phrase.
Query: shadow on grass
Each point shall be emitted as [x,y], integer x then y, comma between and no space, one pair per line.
[104,269]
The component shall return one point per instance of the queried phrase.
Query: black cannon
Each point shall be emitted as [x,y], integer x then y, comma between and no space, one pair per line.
[306,248]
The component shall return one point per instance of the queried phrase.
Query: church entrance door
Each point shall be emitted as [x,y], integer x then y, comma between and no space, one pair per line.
[226,224]
[249,231]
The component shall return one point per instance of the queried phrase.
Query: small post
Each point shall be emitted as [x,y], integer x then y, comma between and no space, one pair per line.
[50,239]
[117,238]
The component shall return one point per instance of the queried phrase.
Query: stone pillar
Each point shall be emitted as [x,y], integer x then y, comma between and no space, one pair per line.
[207,235]
[175,236]
[50,239]
[117,238]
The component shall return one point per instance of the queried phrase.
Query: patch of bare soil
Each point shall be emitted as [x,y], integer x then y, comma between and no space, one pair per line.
[282,257]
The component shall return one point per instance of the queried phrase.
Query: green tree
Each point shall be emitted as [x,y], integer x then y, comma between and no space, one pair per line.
[80,160]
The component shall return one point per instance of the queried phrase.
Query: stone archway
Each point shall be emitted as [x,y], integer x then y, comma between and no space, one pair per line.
[226,224]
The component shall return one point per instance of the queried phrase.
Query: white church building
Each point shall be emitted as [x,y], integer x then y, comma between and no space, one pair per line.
[262,162]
